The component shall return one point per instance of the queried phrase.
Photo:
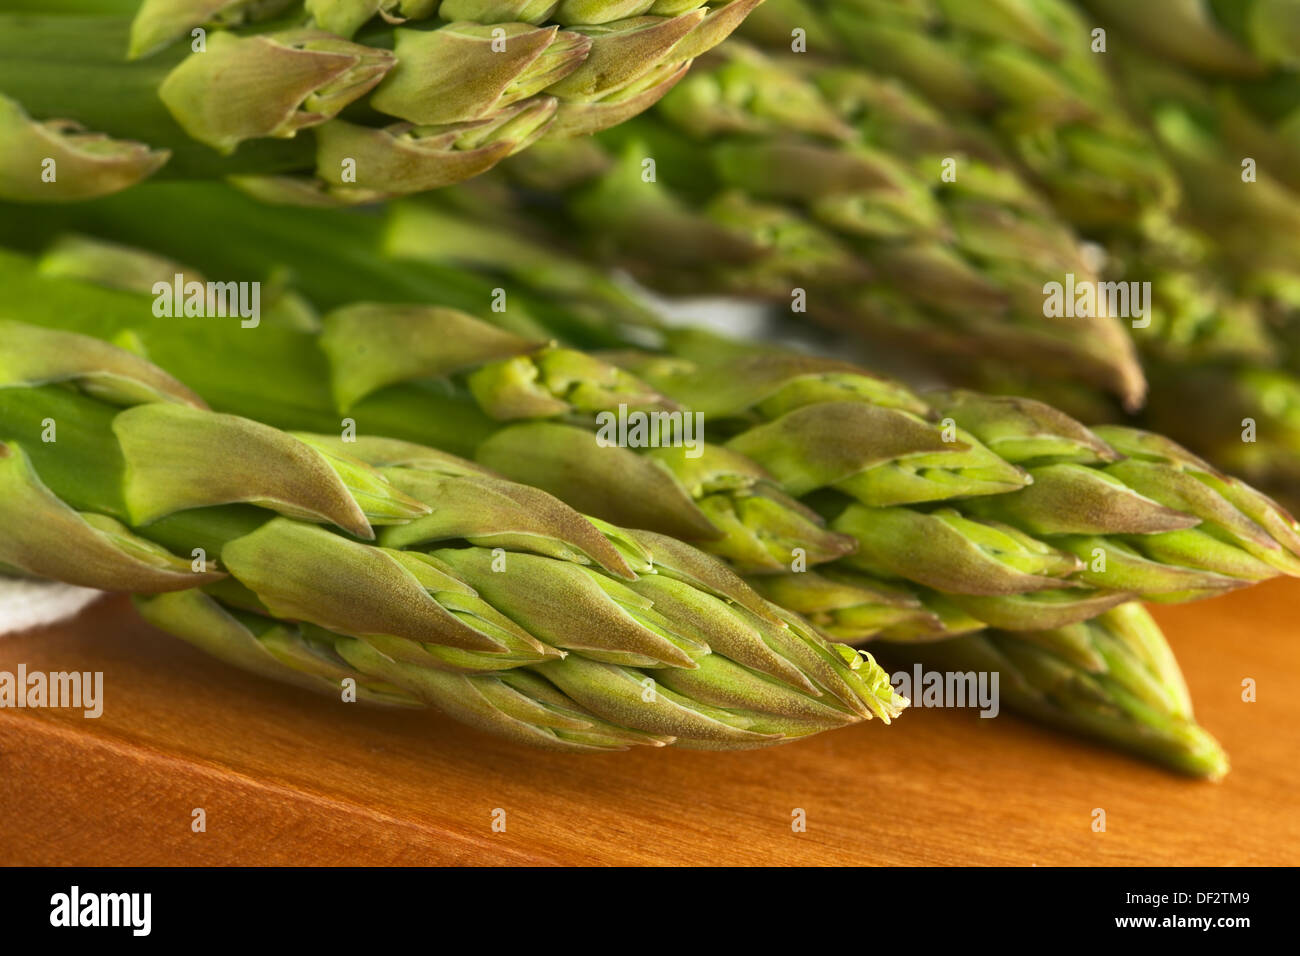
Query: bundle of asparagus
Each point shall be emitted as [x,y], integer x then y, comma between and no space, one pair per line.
[1064,645]
[976,532]
[442,627]
[93,100]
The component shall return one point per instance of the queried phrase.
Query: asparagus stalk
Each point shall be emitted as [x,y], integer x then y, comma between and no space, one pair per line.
[1119,684]
[986,229]
[1221,86]
[426,105]
[762,679]
[467,574]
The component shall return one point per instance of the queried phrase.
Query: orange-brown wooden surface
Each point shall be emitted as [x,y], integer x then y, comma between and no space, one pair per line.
[287,777]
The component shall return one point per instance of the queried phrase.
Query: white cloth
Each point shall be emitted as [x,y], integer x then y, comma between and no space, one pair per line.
[27,604]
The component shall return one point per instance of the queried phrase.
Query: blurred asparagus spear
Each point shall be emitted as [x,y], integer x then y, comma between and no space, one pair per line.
[834,184]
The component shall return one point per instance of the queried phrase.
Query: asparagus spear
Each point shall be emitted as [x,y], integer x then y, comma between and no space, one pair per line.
[1118,683]
[1112,678]
[429,107]
[138,475]
[987,229]
[533,657]
[1221,90]
[837,188]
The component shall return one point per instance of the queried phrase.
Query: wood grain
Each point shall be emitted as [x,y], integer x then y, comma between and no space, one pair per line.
[286,777]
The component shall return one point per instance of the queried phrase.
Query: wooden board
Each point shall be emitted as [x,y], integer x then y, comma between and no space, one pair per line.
[286,777]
